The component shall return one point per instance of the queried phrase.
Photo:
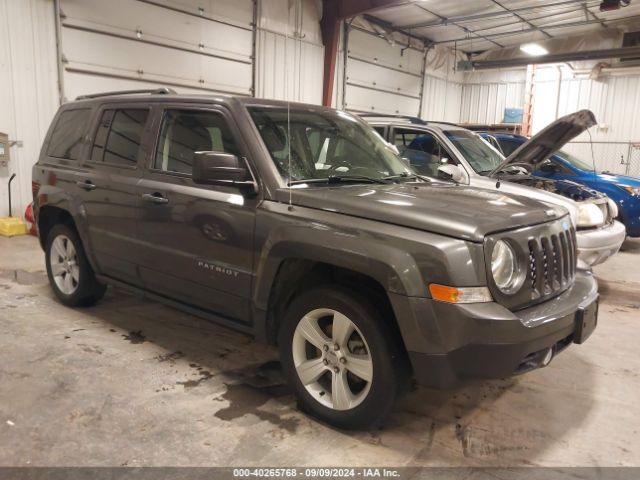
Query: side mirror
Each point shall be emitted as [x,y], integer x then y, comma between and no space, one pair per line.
[450,172]
[549,167]
[217,168]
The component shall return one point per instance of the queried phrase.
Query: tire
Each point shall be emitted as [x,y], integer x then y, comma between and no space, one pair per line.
[70,274]
[372,350]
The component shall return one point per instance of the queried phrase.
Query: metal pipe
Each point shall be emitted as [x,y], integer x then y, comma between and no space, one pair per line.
[9,186]
[345,57]
[58,31]
[625,52]
[254,49]
[559,89]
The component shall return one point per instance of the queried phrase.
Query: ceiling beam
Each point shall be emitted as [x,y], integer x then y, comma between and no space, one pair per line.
[529,30]
[465,29]
[623,52]
[443,21]
[522,19]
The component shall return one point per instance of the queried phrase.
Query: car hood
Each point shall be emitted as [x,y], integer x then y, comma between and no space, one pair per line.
[448,209]
[550,139]
[619,179]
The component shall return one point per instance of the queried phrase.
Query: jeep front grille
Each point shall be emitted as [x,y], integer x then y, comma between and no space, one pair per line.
[552,263]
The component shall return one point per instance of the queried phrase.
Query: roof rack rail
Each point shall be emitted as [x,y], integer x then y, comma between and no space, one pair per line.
[154,91]
[416,120]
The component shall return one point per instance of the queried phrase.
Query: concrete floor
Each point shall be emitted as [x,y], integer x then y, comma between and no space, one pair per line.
[131,382]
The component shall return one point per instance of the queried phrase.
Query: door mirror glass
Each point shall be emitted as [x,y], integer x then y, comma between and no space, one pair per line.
[450,172]
[217,168]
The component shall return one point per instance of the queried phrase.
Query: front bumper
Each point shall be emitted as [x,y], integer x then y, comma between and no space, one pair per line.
[449,343]
[595,246]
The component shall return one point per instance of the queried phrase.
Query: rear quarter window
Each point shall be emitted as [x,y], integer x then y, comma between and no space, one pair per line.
[68,134]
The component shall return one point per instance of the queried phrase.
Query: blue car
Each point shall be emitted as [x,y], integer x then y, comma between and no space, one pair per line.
[623,190]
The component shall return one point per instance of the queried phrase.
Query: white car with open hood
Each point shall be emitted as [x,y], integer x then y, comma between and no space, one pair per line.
[447,151]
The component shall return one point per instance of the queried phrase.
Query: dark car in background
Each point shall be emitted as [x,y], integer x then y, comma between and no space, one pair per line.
[562,165]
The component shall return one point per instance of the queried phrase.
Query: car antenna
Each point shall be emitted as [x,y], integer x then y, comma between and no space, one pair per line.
[286,93]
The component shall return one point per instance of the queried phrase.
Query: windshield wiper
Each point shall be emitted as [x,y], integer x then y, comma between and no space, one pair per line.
[408,176]
[332,179]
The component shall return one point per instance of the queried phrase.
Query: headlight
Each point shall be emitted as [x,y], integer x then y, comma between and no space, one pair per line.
[589,215]
[504,267]
[630,190]
[613,208]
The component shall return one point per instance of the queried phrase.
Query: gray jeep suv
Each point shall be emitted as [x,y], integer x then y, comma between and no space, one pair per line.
[299,225]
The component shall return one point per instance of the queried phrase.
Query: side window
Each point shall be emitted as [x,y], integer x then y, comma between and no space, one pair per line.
[66,139]
[119,135]
[185,132]
[403,138]
[423,150]
[508,147]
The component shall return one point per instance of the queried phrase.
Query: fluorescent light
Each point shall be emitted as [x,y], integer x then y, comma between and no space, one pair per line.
[534,49]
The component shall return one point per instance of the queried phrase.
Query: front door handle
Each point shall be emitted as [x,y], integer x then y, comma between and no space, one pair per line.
[86,185]
[154,198]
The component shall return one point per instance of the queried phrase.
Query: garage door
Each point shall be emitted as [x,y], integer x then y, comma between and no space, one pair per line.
[182,44]
[382,77]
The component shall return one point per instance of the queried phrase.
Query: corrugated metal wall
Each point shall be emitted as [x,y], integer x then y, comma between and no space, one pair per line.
[28,90]
[485,95]
[441,99]
[615,101]
[292,33]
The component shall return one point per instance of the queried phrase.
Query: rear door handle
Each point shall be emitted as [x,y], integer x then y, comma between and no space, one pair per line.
[154,198]
[86,185]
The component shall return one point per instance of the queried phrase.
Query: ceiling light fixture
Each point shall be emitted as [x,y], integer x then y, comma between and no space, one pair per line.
[534,49]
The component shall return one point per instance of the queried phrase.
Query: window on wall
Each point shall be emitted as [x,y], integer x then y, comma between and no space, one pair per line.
[185,132]
[67,136]
[119,136]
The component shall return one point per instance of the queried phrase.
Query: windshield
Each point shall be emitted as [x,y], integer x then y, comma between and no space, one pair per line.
[482,157]
[325,144]
[576,162]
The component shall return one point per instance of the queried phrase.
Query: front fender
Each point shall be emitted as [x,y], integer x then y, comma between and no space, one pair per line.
[402,260]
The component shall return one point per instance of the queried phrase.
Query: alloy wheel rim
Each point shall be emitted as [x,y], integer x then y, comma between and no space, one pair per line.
[64,264]
[332,359]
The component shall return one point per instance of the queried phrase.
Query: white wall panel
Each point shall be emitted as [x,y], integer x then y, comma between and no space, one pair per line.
[28,90]
[288,68]
[615,102]
[381,77]
[486,102]
[205,46]
[290,55]
[442,99]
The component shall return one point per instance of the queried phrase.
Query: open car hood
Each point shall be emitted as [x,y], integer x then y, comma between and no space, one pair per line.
[550,139]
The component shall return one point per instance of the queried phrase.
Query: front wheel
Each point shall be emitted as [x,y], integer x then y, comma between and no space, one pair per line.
[68,269]
[341,358]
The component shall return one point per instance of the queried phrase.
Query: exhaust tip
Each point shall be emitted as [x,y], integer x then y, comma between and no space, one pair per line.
[546,359]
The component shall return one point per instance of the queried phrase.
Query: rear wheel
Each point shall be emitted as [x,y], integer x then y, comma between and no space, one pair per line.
[341,358]
[70,274]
